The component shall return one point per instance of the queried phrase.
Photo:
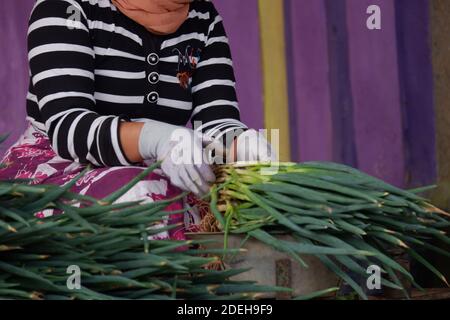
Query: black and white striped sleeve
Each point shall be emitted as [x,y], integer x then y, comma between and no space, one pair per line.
[61,59]
[213,85]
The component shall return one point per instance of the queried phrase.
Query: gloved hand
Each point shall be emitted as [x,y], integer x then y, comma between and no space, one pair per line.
[181,152]
[253,146]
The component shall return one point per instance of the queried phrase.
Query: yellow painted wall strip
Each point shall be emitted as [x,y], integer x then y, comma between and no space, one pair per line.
[276,114]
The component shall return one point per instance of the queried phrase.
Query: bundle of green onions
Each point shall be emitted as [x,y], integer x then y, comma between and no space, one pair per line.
[346,218]
[108,242]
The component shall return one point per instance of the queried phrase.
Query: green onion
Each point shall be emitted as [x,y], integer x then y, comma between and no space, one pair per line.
[344,217]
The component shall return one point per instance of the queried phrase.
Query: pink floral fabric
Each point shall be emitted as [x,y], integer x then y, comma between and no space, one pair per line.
[32,157]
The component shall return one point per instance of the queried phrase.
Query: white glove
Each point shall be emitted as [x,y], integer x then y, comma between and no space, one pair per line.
[253,146]
[181,152]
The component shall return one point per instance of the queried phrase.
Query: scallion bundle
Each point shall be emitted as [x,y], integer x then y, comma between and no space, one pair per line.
[108,242]
[346,218]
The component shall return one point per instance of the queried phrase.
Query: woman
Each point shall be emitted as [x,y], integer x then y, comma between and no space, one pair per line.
[113,81]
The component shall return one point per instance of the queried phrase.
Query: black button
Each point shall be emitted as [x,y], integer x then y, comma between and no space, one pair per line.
[153,77]
[153,97]
[153,59]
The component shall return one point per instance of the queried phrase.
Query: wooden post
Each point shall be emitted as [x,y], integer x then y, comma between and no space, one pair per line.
[276,112]
[440,30]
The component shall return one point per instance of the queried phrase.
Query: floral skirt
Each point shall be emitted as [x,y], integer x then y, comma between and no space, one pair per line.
[32,157]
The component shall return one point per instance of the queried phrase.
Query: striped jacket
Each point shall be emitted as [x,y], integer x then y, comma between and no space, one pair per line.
[91,67]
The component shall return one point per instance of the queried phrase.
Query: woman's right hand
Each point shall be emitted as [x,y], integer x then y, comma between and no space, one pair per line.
[184,162]
[182,155]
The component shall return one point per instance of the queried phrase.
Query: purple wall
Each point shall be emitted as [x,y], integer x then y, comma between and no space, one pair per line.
[14,71]
[241,21]
[344,146]
[416,82]
[376,91]
[309,84]
[358,96]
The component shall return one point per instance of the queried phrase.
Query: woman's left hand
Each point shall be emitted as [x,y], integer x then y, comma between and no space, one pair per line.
[253,146]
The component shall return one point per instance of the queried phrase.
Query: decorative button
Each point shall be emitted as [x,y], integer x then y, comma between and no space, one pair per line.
[153,97]
[153,59]
[153,77]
